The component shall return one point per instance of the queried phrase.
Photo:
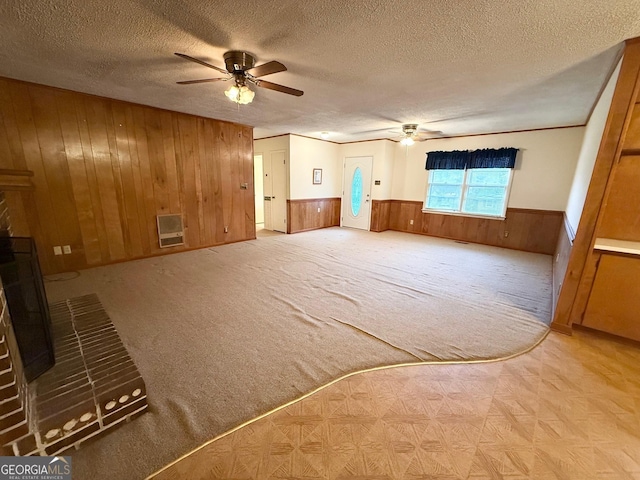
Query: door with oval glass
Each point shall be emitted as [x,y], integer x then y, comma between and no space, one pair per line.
[356,194]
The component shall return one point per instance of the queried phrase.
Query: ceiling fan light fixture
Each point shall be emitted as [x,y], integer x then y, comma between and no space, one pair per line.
[241,68]
[407,141]
[240,94]
[232,93]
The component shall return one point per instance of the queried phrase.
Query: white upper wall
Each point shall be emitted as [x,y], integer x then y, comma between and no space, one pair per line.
[307,154]
[266,146]
[542,177]
[382,152]
[262,146]
[589,152]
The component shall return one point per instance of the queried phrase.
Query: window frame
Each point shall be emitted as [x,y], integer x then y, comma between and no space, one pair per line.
[465,187]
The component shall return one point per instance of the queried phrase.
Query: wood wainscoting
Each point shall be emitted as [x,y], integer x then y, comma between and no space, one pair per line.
[523,229]
[312,214]
[380,210]
[561,258]
[103,169]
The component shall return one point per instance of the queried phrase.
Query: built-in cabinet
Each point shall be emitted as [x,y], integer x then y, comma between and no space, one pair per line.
[614,302]
[601,288]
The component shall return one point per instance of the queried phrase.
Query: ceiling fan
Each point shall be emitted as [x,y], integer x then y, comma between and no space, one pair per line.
[242,70]
[410,134]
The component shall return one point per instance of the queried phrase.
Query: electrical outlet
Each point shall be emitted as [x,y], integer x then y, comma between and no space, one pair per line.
[57,250]
[410,222]
[557,257]
[318,209]
[66,249]
[226,229]
[506,234]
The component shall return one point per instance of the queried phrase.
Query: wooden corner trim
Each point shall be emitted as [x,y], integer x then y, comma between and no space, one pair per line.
[561,328]
[571,234]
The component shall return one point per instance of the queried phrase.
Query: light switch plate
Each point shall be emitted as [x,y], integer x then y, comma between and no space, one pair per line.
[66,249]
[57,250]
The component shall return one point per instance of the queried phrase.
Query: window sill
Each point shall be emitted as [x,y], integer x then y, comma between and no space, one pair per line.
[462,214]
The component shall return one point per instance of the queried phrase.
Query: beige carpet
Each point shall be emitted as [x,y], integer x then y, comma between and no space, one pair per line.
[224,334]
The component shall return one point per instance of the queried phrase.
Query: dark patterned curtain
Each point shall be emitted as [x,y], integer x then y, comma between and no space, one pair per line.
[493,158]
[456,160]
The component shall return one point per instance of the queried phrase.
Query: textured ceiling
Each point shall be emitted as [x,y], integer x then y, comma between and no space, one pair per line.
[366,66]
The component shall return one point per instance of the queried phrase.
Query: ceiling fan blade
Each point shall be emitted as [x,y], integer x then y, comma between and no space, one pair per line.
[206,80]
[279,88]
[187,57]
[267,69]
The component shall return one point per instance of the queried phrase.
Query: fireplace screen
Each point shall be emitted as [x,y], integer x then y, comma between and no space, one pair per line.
[27,302]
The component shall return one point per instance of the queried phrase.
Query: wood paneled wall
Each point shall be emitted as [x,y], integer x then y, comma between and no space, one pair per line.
[380,210]
[103,169]
[529,230]
[561,258]
[312,214]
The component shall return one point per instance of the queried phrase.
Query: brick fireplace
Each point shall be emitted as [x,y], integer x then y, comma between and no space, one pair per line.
[93,387]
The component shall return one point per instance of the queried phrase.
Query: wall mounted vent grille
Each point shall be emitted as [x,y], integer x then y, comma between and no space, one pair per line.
[170,230]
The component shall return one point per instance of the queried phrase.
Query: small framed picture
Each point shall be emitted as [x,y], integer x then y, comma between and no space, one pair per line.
[317,176]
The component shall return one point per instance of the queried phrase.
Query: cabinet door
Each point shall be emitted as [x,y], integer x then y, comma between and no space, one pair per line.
[621,209]
[614,303]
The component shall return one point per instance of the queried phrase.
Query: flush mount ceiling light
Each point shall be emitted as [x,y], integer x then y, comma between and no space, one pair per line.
[324,135]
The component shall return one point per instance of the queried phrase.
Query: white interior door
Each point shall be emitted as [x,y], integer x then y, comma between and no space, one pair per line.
[258,169]
[267,188]
[275,191]
[356,194]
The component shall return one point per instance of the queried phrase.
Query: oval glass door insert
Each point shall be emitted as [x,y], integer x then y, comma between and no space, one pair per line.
[356,192]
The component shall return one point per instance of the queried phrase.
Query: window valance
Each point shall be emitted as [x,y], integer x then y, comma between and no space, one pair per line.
[465,159]
[456,160]
[493,158]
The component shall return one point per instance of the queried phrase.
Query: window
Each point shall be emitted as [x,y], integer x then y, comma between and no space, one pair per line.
[476,191]
[445,189]
[470,182]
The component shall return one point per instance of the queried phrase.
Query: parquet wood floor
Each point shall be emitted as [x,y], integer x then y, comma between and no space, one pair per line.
[569,409]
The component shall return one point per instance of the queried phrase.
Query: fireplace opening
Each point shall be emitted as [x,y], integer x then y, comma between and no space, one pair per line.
[27,303]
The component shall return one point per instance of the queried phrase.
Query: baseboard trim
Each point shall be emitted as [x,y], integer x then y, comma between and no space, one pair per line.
[310,229]
[562,328]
